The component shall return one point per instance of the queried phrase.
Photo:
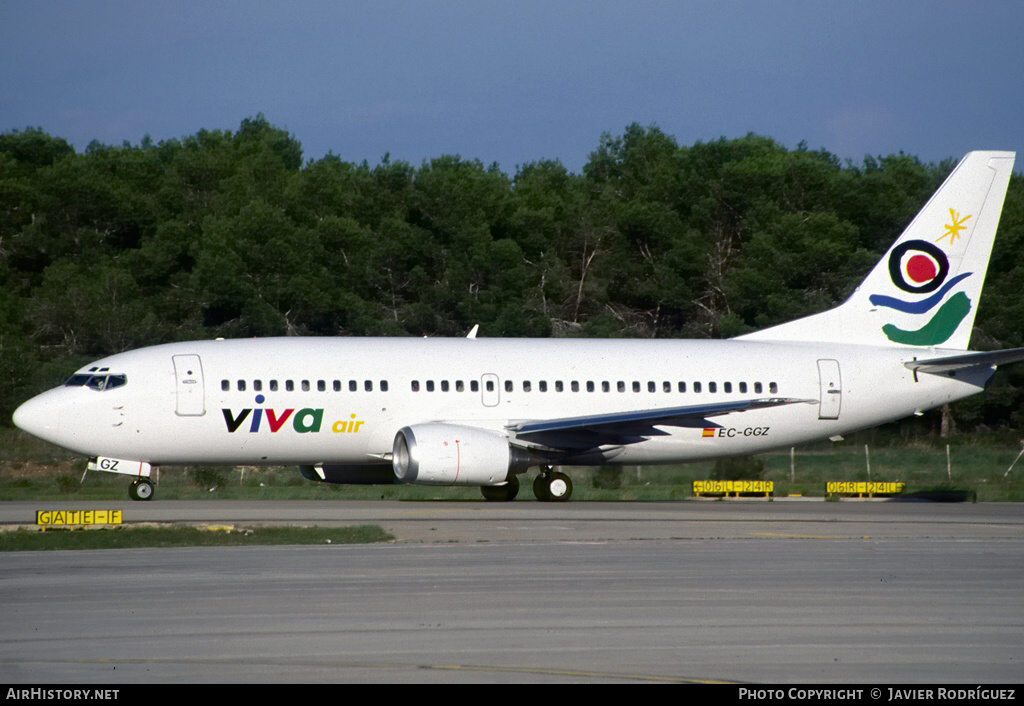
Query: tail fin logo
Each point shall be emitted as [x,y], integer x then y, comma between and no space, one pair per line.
[953,229]
[920,267]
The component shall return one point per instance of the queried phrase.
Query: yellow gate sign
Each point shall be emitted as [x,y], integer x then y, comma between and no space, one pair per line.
[65,518]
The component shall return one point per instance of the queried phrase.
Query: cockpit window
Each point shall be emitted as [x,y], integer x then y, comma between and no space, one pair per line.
[97,382]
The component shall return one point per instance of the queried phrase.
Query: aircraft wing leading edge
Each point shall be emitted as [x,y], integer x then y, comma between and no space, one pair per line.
[631,427]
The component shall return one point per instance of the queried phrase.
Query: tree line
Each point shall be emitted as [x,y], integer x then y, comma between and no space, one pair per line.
[233,234]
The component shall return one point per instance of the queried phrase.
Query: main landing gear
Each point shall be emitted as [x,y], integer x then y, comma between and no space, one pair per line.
[501,493]
[552,486]
[549,486]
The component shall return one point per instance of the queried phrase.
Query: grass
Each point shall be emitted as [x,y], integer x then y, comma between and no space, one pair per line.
[183,536]
[33,470]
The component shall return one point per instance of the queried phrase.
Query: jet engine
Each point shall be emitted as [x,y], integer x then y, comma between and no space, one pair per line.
[451,454]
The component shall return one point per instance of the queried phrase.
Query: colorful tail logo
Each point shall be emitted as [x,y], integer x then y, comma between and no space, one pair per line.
[920,267]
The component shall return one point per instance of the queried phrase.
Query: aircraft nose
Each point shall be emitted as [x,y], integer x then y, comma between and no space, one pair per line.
[39,417]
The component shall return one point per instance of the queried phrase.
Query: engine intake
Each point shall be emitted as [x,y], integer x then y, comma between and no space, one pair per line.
[451,454]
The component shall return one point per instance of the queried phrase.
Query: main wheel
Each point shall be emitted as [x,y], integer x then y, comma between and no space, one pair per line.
[141,489]
[505,492]
[559,487]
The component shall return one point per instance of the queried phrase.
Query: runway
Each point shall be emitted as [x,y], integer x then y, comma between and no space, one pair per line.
[877,593]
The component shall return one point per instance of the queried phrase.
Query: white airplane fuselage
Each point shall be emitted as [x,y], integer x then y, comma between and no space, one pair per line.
[212,402]
[470,411]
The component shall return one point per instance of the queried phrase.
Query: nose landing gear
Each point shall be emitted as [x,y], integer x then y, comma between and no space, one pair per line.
[141,489]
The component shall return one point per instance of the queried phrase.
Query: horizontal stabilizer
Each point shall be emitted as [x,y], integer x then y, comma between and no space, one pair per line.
[966,360]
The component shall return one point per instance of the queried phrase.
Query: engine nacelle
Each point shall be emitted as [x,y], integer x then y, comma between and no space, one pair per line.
[365,474]
[451,454]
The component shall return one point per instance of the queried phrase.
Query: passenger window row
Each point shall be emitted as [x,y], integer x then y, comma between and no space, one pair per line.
[542,386]
[664,386]
[304,385]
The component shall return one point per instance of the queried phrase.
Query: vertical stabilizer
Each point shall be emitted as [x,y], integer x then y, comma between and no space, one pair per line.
[925,291]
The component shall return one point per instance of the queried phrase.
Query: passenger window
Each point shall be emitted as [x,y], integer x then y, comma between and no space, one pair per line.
[727,386]
[321,385]
[459,386]
[273,385]
[526,386]
[743,387]
[353,386]
[543,385]
[696,387]
[666,386]
[430,385]
[257,385]
[444,386]
[368,385]
[305,385]
[773,388]
[590,385]
[490,385]
[508,386]
[636,386]
[757,388]
[224,384]
[650,386]
[289,386]
[606,386]
[337,385]
[682,386]
[712,387]
[383,385]
[558,386]
[241,385]
[575,386]
[621,386]
[415,385]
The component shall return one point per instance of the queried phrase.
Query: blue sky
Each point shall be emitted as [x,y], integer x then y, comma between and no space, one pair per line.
[514,82]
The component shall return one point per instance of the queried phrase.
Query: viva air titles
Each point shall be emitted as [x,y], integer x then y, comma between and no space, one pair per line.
[304,421]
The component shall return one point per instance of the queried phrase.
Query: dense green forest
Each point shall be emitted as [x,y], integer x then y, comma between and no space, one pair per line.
[234,234]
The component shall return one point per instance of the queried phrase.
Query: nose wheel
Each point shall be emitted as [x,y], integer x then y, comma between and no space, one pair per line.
[552,486]
[141,489]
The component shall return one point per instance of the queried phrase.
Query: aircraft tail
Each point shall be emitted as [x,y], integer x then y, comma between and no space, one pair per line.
[925,291]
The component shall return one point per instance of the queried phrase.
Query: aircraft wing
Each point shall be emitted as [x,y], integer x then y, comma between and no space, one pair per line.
[631,427]
[966,360]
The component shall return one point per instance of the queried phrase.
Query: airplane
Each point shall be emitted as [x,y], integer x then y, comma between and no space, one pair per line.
[480,412]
